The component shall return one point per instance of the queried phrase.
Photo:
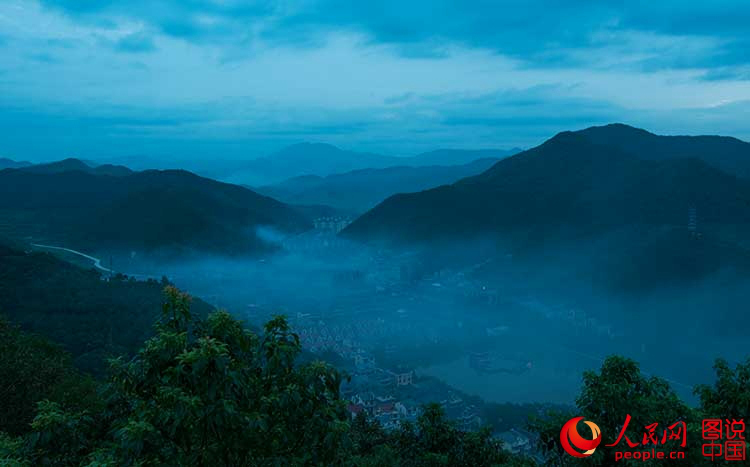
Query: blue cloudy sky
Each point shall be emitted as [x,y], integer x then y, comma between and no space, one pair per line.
[189,79]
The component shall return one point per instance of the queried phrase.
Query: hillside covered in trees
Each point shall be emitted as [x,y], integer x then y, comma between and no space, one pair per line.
[90,317]
[114,209]
[208,392]
[627,210]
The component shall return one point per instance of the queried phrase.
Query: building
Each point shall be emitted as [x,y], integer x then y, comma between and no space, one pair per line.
[403,379]
[385,408]
[364,363]
[366,400]
[407,411]
[464,416]
[354,410]
[333,224]
[514,441]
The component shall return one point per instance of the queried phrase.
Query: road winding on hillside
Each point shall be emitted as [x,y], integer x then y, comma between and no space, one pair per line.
[97,262]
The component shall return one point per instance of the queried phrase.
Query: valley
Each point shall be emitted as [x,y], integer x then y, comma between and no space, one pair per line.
[543,297]
[321,233]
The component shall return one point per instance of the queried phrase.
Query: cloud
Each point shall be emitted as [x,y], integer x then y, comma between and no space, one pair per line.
[43,58]
[197,21]
[221,129]
[728,73]
[137,42]
[543,33]
[196,78]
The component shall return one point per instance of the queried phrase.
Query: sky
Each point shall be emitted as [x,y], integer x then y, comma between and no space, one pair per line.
[188,79]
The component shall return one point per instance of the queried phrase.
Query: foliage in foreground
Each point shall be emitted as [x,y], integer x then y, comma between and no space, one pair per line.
[619,389]
[210,392]
[33,369]
[91,318]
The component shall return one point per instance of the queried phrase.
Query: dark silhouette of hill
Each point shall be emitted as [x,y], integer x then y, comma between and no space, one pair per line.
[359,190]
[728,154]
[568,194]
[77,165]
[6,163]
[567,182]
[169,210]
[92,318]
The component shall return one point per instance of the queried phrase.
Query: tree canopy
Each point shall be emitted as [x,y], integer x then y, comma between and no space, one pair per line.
[208,391]
[211,392]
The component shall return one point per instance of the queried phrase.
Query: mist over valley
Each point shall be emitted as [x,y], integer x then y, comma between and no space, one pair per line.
[358,234]
[540,273]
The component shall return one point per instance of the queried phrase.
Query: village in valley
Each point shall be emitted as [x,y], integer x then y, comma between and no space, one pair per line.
[392,319]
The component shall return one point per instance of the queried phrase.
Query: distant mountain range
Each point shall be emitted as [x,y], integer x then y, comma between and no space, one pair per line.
[6,163]
[66,165]
[324,159]
[582,186]
[76,165]
[113,208]
[448,157]
[360,190]
[293,161]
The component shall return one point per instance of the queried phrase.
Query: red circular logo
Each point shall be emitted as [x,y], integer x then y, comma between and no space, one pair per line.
[576,445]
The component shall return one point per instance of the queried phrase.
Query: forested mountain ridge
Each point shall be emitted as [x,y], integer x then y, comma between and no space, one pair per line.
[73,165]
[585,209]
[567,181]
[91,318]
[154,210]
[728,154]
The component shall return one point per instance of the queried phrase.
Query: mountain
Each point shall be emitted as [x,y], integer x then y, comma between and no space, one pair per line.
[76,165]
[169,210]
[91,318]
[6,163]
[459,157]
[569,181]
[728,154]
[570,193]
[324,159]
[307,159]
[360,190]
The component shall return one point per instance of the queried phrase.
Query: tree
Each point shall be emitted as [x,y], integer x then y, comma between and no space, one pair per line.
[73,307]
[607,398]
[730,395]
[34,369]
[9,451]
[209,392]
[432,441]
[619,390]
[728,399]
[204,393]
